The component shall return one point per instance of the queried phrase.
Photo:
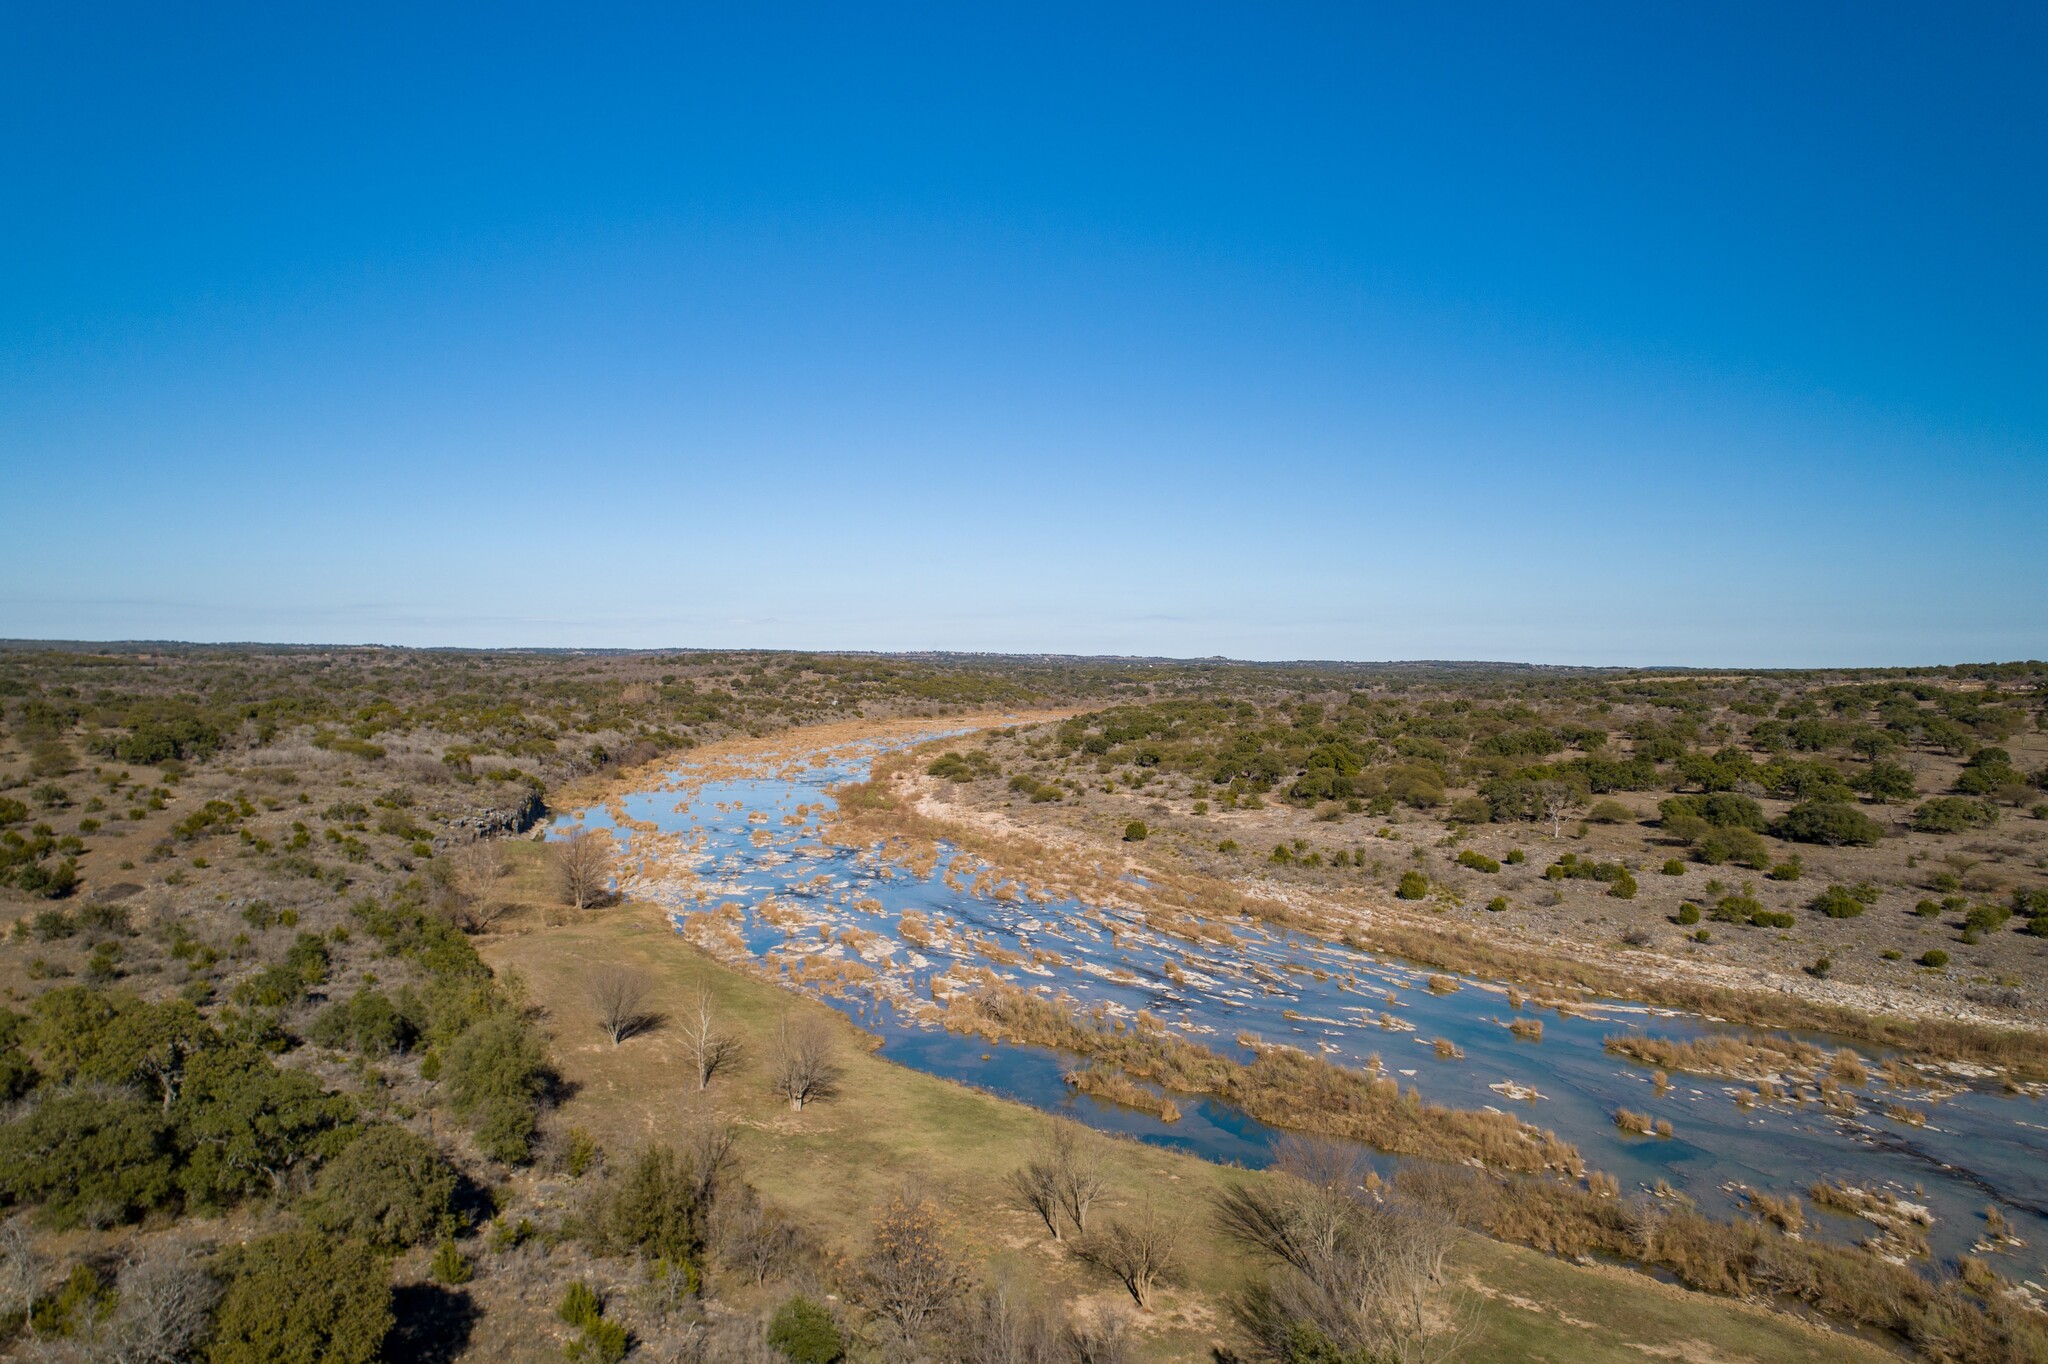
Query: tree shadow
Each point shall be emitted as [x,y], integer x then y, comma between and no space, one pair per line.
[644,1022]
[432,1324]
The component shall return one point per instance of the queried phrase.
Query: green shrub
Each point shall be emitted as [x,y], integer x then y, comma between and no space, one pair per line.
[580,1306]
[804,1332]
[1610,812]
[1135,831]
[1688,914]
[1986,918]
[496,1073]
[1928,909]
[368,1022]
[1516,857]
[389,1188]
[1834,823]
[1477,861]
[1743,846]
[248,1125]
[1953,815]
[1497,905]
[1673,867]
[1720,809]
[450,1265]
[298,1298]
[88,1156]
[1791,869]
[1934,957]
[1414,886]
[1840,902]
[656,1207]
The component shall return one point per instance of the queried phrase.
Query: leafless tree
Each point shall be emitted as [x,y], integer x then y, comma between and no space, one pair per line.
[1363,1274]
[583,865]
[21,1266]
[619,994]
[1142,1250]
[705,1039]
[1559,801]
[166,1302]
[1077,1175]
[803,1069]
[473,872]
[1036,1188]
[1104,1336]
[999,1327]
[911,1273]
[753,1236]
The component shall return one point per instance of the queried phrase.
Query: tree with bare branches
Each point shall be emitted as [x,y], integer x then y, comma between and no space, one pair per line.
[472,873]
[583,865]
[1352,1276]
[1035,1187]
[911,1273]
[803,1069]
[1141,1250]
[710,1047]
[619,995]
[1077,1174]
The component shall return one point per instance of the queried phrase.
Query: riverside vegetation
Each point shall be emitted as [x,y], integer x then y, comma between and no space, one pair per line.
[297,1018]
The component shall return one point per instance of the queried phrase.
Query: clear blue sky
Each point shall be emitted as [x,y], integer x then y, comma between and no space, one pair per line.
[1636,333]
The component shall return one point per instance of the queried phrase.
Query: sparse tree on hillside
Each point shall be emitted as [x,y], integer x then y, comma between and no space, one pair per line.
[1141,1250]
[1559,801]
[474,870]
[705,1040]
[1353,1276]
[619,994]
[803,1069]
[1077,1175]
[583,864]
[911,1273]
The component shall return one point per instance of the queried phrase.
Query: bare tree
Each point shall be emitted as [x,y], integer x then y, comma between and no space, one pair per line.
[166,1301]
[583,865]
[709,1046]
[473,872]
[911,1274]
[1104,1336]
[1360,1275]
[803,1069]
[619,994]
[753,1236]
[1142,1251]
[1000,1327]
[1036,1187]
[21,1266]
[1077,1176]
[1559,801]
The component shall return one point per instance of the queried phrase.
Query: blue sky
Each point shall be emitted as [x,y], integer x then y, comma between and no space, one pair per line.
[1633,334]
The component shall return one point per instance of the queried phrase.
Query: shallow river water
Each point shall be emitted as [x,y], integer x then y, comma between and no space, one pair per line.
[744,864]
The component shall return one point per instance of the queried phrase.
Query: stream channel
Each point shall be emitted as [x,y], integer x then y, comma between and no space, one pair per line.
[744,867]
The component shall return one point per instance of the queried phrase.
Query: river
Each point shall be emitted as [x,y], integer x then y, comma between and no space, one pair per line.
[740,858]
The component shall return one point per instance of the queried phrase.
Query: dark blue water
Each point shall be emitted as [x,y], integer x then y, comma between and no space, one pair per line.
[749,876]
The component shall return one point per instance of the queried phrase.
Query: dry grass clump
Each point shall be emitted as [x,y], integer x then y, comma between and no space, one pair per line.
[1119,1088]
[1281,1086]
[1941,1318]
[1787,1214]
[1527,1029]
[1447,1050]
[1734,1058]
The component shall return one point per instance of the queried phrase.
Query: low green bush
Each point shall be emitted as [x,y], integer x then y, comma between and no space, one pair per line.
[804,1332]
